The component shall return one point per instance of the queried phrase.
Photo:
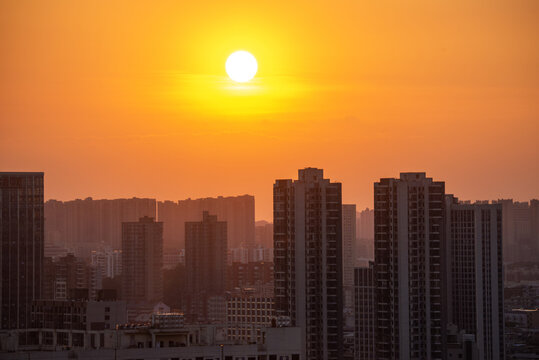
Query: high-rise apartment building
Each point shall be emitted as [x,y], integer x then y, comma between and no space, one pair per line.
[409,250]
[142,261]
[348,252]
[237,211]
[364,324]
[307,216]
[206,263]
[475,275]
[21,241]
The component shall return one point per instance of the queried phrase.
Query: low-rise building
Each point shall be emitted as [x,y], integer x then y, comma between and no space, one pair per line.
[248,312]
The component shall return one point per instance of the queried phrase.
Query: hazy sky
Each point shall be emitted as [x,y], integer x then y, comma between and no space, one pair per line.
[131,98]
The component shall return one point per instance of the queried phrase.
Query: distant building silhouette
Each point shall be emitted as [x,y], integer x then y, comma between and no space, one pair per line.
[475,276]
[85,225]
[264,234]
[307,218]
[365,235]
[409,239]
[142,261]
[237,211]
[22,242]
[206,264]
[520,230]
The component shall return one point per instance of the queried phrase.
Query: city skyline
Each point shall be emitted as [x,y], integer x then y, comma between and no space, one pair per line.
[269,180]
[360,206]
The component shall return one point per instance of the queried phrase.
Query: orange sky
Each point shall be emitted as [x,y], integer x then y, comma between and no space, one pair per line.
[131,98]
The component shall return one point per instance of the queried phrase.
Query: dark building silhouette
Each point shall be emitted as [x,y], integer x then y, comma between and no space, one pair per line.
[475,273]
[142,261]
[237,211]
[21,241]
[205,262]
[307,218]
[409,250]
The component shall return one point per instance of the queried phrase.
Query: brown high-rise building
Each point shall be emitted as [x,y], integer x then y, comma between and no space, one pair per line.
[307,218]
[237,211]
[409,249]
[205,262]
[21,241]
[142,261]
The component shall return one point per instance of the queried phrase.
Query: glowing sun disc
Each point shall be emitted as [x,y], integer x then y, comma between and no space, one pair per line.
[241,66]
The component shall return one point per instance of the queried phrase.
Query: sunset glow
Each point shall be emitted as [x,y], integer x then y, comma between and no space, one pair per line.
[89,91]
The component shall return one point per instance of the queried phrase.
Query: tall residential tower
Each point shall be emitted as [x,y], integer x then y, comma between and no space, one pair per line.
[475,273]
[206,263]
[21,241]
[307,216]
[409,249]
[142,261]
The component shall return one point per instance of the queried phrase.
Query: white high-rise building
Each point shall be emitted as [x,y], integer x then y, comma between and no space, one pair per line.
[307,216]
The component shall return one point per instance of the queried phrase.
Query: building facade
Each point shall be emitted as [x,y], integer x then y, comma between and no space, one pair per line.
[409,247]
[22,244]
[242,275]
[365,236]
[348,252]
[365,321]
[142,260]
[520,230]
[248,312]
[307,216]
[475,273]
[206,263]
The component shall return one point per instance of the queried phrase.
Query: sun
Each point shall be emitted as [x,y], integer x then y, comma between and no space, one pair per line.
[241,66]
